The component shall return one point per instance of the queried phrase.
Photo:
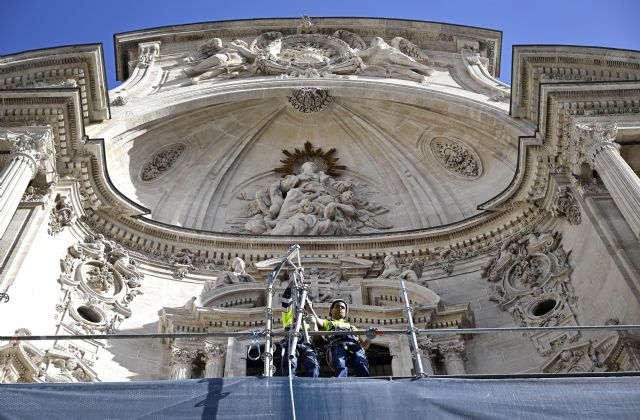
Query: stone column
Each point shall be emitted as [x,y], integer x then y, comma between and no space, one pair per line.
[214,356]
[594,143]
[426,349]
[31,150]
[454,357]
[180,363]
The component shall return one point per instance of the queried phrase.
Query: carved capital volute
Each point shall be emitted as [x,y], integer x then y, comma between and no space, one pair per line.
[589,140]
[213,352]
[453,351]
[426,346]
[180,356]
[32,143]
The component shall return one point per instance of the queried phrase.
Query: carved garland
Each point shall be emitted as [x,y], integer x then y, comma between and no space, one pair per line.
[162,162]
[456,157]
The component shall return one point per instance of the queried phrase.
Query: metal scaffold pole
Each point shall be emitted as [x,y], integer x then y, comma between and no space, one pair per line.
[411,331]
[268,332]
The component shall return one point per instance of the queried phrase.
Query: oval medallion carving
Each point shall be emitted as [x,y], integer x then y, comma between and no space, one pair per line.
[162,162]
[456,157]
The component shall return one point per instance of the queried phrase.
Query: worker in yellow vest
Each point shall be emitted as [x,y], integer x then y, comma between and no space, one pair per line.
[345,351]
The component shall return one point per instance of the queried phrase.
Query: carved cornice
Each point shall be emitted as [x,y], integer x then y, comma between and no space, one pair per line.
[59,109]
[49,67]
[564,105]
[534,65]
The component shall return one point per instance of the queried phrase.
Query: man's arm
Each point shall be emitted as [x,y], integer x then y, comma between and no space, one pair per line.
[319,321]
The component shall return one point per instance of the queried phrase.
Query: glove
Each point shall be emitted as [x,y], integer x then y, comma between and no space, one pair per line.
[371,334]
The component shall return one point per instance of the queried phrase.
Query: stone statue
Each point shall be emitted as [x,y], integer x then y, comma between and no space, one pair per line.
[311,203]
[237,274]
[222,59]
[393,271]
[382,59]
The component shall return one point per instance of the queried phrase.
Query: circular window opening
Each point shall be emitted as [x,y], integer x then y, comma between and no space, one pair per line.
[544,307]
[90,314]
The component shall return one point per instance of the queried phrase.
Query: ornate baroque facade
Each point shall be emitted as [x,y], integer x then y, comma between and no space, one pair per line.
[386,149]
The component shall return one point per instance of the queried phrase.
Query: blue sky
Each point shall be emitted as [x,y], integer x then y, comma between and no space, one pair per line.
[26,25]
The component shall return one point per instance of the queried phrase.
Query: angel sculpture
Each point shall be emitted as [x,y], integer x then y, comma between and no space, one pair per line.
[393,271]
[216,58]
[401,58]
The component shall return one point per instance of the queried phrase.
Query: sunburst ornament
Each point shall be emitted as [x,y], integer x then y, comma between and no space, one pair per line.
[325,161]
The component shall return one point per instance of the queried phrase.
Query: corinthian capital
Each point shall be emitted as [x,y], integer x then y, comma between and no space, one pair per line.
[588,140]
[180,356]
[213,351]
[32,142]
[454,351]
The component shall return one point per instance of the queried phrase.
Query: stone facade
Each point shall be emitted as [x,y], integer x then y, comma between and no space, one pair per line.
[385,149]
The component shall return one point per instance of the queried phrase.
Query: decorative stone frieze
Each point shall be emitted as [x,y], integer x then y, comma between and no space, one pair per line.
[309,99]
[566,206]
[456,157]
[162,162]
[308,53]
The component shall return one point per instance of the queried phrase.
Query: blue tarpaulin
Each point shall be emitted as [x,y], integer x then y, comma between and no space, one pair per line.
[328,398]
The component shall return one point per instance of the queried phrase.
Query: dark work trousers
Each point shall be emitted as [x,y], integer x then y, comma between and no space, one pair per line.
[345,355]
[308,360]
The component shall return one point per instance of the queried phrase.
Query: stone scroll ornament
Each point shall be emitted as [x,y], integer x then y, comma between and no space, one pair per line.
[311,199]
[531,279]
[162,162]
[101,281]
[308,54]
[456,157]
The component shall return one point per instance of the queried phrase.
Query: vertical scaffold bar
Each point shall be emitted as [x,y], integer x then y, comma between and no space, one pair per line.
[411,330]
[267,355]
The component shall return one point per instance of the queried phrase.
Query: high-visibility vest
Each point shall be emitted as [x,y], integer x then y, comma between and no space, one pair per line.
[339,325]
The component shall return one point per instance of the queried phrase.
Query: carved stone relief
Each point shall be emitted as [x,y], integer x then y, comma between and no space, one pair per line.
[61,216]
[565,205]
[309,53]
[236,275]
[162,162]
[532,281]
[309,201]
[456,157]
[309,99]
[22,362]
[392,270]
[612,353]
[100,281]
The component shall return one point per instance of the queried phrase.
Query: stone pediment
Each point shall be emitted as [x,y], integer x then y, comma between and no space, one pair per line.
[385,292]
[432,36]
